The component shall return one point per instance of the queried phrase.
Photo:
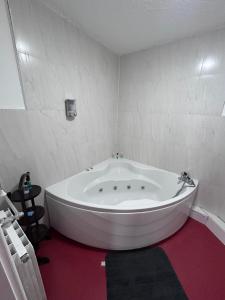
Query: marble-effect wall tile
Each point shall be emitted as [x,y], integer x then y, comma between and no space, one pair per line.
[168,113]
[171,100]
[57,61]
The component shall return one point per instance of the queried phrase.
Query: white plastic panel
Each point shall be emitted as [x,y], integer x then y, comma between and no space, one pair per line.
[11,96]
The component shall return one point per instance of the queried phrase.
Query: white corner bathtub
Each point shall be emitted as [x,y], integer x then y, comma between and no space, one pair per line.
[119,204]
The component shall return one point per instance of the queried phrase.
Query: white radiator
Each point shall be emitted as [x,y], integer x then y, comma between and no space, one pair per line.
[18,259]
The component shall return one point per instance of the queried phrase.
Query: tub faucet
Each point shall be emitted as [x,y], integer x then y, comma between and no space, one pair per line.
[186,178]
[117,155]
[187,182]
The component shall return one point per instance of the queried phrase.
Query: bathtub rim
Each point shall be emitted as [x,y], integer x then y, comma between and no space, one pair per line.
[76,205]
[68,200]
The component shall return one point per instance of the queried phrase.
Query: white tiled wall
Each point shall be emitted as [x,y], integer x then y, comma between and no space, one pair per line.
[171,101]
[57,61]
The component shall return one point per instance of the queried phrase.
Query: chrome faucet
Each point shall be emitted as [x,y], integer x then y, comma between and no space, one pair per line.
[186,178]
[187,182]
[117,155]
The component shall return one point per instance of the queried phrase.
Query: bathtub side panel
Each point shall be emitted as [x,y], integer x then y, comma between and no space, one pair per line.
[117,231]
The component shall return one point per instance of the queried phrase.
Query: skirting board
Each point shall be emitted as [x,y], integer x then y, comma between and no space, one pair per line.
[214,224]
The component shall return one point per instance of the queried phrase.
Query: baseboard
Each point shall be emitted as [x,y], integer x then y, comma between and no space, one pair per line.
[199,215]
[214,224]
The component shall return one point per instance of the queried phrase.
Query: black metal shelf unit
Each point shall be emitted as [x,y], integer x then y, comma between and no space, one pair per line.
[32,214]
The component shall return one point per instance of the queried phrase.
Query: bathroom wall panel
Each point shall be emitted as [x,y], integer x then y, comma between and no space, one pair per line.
[11,94]
[57,61]
[171,100]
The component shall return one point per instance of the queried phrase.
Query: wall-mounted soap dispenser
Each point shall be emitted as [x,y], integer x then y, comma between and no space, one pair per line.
[71,111]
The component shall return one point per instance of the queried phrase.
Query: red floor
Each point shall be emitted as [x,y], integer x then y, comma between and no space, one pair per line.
[74,272]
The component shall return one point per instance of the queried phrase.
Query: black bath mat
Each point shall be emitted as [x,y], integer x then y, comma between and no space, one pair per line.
[144,274]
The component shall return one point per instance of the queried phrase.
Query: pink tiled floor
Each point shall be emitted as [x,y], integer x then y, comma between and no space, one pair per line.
[74,272]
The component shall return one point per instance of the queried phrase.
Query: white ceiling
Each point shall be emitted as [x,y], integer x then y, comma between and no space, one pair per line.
[130,25]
